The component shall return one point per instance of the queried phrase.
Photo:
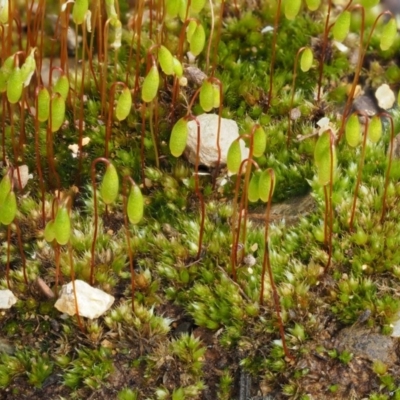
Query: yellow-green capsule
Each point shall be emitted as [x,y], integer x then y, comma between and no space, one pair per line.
[49,232]
[306,59]
[166,60]
[323,158]
[234,157]
[8,209]
[124,104]
[79,11]
[206,96]
[57,113]
[216,96]
[5,187]
[353,131]
[266,184]
[259,142]
[253,193]
[389,33]
[342,26]
[4,12]
[150,85]
[375,129]
[292,8]
[5,72]
[135,205]
[43,102]
[28,68]
[198,40]
[313,5]
[197,5]
[110,185]
[172,7]
[15,85]
[62,86]
[178,139]
[62,226]
[178,69]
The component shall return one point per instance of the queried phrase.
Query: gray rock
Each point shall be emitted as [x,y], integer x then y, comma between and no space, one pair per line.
[208,154]
[7,299]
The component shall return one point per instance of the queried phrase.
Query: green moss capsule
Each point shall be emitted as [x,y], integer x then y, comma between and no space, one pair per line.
[5,187]
[389,33]
[172,7]
[266,184]
[15,85]
[79,11]
[178,139]
[306,59]
[49,232]
[234,157]
[166,60]
[342,26]
[28,68]
[198,40]
[5,72]
[178,69]
[313,5]
[4,12]
[110,185]
[353,131]
[191,27]
[206,96]
[43,103]
[150,85]
[369,3]
[292,8]
[62,226]
[253,193]
[57,113]
[216,96]
[259,142]
[124,104]
[324,161]
[62,86]
[375,129]
[197,5]
[8,208]
[135,205]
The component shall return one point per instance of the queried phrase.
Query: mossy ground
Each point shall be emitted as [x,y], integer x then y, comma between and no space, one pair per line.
[195,333]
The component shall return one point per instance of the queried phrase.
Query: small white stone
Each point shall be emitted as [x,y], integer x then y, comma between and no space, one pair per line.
[208,154]
[7,299]
[385,96]
[91,302]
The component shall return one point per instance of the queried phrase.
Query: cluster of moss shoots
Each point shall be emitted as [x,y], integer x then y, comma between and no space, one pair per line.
[140,64]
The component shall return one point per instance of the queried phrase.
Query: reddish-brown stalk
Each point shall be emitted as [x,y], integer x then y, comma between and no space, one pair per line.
[236,230]
[49,147]
[360,169]
[96,218]
[245,200]
[128,239]
[37,157]
[329,201]
[267,267]
[80,118]
[293,92]
[64,22]
[391,147]
[71,266]
[197,188]
[325,45]
[103,76]
[110,114]
[217,39]
[221,99]
[139,20]
[273,55]
[8,256]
